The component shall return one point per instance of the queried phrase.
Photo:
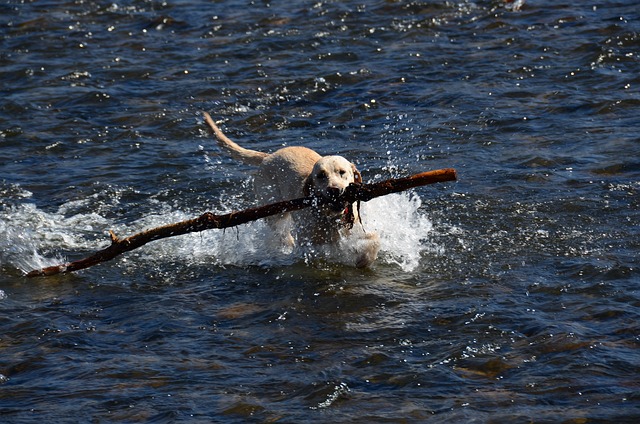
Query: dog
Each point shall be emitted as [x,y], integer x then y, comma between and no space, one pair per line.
[294,172]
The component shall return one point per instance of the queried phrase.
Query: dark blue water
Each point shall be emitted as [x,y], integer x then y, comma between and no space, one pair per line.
[509,296]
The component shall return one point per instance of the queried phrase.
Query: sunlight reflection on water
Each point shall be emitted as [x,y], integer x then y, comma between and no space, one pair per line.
[510,295]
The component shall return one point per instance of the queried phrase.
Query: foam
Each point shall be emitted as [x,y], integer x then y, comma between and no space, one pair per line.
[31,238]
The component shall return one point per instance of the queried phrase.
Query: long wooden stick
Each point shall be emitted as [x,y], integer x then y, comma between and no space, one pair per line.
[208,220]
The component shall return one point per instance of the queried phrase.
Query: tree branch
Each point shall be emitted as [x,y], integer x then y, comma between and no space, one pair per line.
[208,220]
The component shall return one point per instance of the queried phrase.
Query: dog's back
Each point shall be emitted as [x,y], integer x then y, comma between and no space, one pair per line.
[281,175]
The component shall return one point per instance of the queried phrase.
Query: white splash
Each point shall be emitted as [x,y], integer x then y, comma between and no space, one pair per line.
[402,226]
[26,231]
[30,237]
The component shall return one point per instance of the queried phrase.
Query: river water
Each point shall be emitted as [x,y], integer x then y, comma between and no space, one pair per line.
[510,295]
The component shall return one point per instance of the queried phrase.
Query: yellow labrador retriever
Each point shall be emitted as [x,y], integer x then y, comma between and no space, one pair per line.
[293,172]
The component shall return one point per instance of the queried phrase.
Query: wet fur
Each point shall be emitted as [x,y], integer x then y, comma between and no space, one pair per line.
[293,172]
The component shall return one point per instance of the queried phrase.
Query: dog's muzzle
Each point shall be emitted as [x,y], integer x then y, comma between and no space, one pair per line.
[332,195]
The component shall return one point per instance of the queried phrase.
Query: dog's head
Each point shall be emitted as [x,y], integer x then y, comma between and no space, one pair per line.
[330,176]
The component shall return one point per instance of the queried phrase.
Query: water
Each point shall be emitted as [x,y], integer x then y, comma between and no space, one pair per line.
[508,296]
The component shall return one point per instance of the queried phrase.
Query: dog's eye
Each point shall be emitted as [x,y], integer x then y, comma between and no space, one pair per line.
[322,175]
[342,172]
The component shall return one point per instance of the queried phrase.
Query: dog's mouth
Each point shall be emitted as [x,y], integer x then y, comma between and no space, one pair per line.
[333,207]
[334,204]
[336,210]
[332,194]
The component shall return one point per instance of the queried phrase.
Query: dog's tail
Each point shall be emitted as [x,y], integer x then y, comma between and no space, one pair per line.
[250,157]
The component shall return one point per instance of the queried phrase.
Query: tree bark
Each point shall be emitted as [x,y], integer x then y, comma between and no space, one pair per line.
[208,220]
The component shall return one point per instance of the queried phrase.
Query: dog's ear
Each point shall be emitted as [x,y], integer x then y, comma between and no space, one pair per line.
[357,176]
[307,188]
